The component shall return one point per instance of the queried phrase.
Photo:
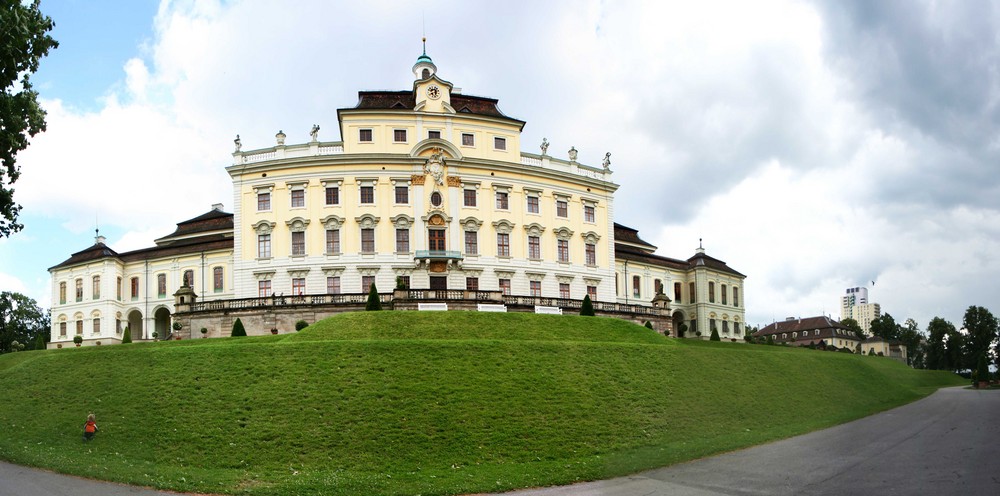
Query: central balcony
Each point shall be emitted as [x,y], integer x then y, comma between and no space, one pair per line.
[438,259]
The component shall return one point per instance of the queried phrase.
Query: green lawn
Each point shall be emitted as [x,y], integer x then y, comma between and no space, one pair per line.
[424,403]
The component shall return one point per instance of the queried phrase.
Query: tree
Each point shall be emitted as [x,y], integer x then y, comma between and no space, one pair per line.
[954,349]
[23,42]
[715,335]
[982,370]
[982,329]
[301,325]
[21,320]
[127,336]
[886,328]
[936,352]
[373,304]
[587,308]
[854,327]
[238,329]
[648,324]
[911,337]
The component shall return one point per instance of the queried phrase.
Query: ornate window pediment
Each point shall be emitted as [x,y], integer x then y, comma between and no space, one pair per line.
[333,222]
[367,221]
[297,224]
[504,274]
[298,272]
[563,233]
[263,275]
[402,221]
[263,188]
[534,229]
[565,278]
[503,226]
[429,219]
[332,271]
[535,276]
[471,224]
[402,271]
[589,281]
[368,270]
[590,237]
[263,227]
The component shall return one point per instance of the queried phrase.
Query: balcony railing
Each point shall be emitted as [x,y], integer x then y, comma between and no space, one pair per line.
[438,255]
[273,301]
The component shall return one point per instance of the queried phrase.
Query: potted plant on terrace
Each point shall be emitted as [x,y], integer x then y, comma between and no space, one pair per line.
[204,333]
[77,340]
[274,330]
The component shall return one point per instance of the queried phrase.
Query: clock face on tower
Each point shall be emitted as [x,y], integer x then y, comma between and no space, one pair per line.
[433,92]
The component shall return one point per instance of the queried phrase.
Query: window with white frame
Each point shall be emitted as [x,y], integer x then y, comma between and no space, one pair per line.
[592,291]
[217,279]
[472,284]
[499,143]
[402,240]
[95,290]
[468,139]
[298,243]
[504,285]
[263,201]
[535,288]
[503,244]
[434,134]
[399,135]
[562,246]
[298,198]
[469,197]
[263,246]
[298,286]
[590,252]
[562,208]
[366,283]
[333,241]
[502,201]
[532,203]
[534,247]
[365,135]
[367,194]
[367,240]
[333,285]
[589,213]
[332,195]
[402,195]
[264,288]
[471,243]
[564,290]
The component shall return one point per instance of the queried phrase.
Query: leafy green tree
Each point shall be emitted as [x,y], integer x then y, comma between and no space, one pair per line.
[238,329]
[587,307]
[936,352]
[21,320]
[127,336]
[954,349]
[373,304]
[885,327]
[982,370]
[911,337]
[41,341]
[982,329]
[23,42]
[854,327]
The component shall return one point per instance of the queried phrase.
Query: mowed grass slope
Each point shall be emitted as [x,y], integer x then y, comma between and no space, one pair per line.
[424,403]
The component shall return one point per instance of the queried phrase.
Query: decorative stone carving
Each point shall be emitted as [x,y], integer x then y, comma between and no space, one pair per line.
[436,220]
[563,233]
[417,180]
[263,227]
[297,224]
[368,270]
[503,226]
[534,229]
[297,272]
[367,221]
[590,237]
[572,154]
[263,275]
[545,147]
[333,222]
[565,278]
[454,181]
[535,276]
[435,166]
[314,134]
[402,221]
[607,161]
[280,137]
[504,274]
[332,271]
[471,224]
[238,143]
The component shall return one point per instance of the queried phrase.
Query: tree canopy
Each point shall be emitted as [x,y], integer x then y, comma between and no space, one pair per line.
[21,320]
[885,327]
[938,331]
[982,328]
[24,40]
[854,326]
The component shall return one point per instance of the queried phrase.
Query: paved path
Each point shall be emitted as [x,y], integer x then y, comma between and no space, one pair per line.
[945,444]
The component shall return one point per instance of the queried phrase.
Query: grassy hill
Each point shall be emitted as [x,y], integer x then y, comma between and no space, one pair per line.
[424,403]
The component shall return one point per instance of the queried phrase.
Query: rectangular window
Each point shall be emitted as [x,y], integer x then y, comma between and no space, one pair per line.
[62,292]
[736,296]
[471,243]
[564,290]
[79,290]
[722,293]
[562,209]
[499,143]
[134,287]
[435,240]
[725,327]
[96,287]
[333,285]
[333,241]
[118,326]
[368,195]
[298,286]
[534,247]
[535,288]
[402,240]
[298,198]
[263,202]
[533,204]
[502,200]
[472,284]
[591,254]
[368,241]
[592,291]
[588,213]
[468,139]
[62,329]
[217,282]
[263,246]
[433,134]
[97,327]
[562,247]
[298,243]
[711,292]
[399,135]
[264,288]
[503,245]
[636,286]
[365,135]
[79,328]
[505,286]
[161,285]
[402,194]
[677,292]
[333,195]
[404,281]
[469,197]
[693,292]
[366,283]
[118,288]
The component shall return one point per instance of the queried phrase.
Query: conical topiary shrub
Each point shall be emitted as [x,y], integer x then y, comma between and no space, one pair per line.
[238,329]
[373,303]
[715,335]
[587,308]
[127,336]
[648,324]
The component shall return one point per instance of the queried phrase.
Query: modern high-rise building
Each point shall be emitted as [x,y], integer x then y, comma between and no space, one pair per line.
[854,305]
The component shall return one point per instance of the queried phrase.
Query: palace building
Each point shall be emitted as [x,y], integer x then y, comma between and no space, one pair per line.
[429,196]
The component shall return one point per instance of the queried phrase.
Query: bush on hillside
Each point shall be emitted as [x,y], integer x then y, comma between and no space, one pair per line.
[301,325]
[587,308]
[373,304]
[648,324]
[40,341]
[127,336]
[715,335]
[238,329]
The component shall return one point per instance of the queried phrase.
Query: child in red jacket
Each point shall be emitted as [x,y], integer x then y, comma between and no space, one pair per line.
[89,428]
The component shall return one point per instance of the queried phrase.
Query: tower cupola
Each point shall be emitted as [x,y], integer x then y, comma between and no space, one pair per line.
[424,68]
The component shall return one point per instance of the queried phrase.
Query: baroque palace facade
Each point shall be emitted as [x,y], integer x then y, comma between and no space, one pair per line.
[427,193]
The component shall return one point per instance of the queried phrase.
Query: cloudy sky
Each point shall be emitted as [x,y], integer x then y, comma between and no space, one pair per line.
[814,146]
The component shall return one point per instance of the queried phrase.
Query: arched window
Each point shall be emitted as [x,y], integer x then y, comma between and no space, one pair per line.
[217,282]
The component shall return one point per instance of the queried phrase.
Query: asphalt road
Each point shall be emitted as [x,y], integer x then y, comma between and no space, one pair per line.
[945,444]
